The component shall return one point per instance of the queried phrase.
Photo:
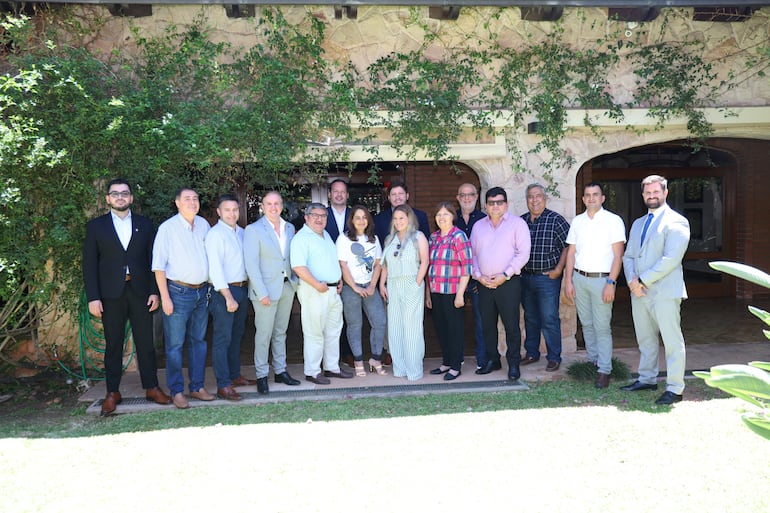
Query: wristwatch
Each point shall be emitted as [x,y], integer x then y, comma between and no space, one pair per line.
[506,276]
[611,281]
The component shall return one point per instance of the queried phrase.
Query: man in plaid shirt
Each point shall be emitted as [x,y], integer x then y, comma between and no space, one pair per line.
[541,278]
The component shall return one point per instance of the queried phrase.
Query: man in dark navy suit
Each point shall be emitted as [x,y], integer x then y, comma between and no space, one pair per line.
[338,211]
[397,195]
[120,287]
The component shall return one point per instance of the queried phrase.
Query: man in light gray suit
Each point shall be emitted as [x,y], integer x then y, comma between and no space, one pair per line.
[653,267]
[271,288]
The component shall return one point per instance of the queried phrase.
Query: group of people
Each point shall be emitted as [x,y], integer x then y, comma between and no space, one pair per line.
[344,263]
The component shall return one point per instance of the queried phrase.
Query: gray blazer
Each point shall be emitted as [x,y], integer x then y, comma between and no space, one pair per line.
[265,264]
[658,262]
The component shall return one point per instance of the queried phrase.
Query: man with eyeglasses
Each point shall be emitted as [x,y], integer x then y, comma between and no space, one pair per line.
[594,258]
[314,260]
[501,246]
[120,287]
[182,273]
[467,216]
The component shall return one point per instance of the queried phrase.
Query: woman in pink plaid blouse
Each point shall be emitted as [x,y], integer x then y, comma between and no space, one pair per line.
[448,275]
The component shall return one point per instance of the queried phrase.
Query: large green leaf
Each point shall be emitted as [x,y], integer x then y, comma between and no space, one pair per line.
[743,271]
[759,424]
[743,381]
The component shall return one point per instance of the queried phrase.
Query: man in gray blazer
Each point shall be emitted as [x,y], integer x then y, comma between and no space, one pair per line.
[653,267]
[271,288]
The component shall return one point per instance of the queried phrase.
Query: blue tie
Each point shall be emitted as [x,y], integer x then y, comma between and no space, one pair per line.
[646,225]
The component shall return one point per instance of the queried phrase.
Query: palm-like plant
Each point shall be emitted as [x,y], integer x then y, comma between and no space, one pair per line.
[748,382]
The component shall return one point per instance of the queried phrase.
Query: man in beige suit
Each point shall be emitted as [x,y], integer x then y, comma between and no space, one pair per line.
[653,267]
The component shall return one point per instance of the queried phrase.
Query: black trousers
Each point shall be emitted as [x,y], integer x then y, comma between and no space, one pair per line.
[504,301]
[128,307]
[450,328]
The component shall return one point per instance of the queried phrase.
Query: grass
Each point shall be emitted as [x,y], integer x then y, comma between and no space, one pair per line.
[63,422]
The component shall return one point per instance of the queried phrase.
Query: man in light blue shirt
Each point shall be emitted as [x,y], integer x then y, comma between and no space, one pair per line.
[313,258]
[229,304]
[182,272]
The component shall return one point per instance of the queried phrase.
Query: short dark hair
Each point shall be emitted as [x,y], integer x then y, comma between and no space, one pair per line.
[227,197]
[397,183]
[338,180]
[593,184]
[118,181]
[496,191]
[179,191]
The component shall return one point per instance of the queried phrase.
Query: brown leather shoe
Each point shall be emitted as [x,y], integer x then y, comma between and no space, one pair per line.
[319,379]
[180,401]
[602,380]
[157,395]
[386,359]
[552,366]
[202,395]
[348,360]
[528,359]
[228,394]
[111,401]
[341,374]
[240,381]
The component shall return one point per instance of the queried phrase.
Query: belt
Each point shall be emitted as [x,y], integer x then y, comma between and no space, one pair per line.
[363,285]
[238,283]
[189,285]
[527,271]
[333,284]
[128,277]
[592,275]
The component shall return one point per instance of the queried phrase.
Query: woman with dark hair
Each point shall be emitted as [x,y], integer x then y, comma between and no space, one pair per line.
[359,254]
[448,276]
[402,285]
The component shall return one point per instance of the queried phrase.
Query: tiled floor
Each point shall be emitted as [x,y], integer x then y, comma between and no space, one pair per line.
[717,331]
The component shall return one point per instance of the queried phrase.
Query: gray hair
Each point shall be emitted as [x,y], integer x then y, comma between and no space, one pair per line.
[534,186]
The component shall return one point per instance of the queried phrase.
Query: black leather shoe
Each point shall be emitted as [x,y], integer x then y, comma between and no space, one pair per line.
[638,385]
[669,397]
[438,371]
[449,376]
[496,365]
[486,369]
[341,374]
[514,373]
[286,379]
[262,386]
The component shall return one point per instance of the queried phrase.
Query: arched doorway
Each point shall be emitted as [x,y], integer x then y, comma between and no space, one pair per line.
[701,187]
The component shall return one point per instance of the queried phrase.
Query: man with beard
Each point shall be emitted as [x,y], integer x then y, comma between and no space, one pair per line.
[653,268]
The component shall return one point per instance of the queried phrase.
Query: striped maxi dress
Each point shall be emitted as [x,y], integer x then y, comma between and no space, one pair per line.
[406,308]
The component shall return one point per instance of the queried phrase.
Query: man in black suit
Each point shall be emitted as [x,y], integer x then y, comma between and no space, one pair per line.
[338,211]
[119,287]
[397,195]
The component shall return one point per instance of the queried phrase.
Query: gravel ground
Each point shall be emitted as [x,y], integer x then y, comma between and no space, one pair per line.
[697,457]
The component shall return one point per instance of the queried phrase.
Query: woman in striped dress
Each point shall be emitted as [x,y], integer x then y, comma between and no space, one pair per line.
[450,271]
[402,285]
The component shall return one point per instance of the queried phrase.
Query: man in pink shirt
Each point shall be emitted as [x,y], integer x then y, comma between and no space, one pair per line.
[501,244]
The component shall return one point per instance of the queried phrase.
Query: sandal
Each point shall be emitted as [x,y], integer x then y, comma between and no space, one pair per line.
[359,367]
[376,366]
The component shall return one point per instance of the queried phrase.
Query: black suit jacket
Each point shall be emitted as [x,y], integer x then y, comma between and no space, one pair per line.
[382,223]
[331,222]
[105,260]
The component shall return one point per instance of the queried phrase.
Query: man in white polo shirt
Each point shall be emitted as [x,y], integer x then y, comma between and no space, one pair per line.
[594,257]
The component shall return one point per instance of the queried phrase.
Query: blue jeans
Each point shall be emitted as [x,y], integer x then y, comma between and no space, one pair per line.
[481,349]
[227,333]
[352,304]
[540,299]
[188,324]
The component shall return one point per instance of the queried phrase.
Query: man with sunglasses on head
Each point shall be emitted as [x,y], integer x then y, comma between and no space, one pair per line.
[120,287]
[501,245]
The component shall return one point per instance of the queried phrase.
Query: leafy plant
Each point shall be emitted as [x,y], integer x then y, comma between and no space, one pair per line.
[748,382]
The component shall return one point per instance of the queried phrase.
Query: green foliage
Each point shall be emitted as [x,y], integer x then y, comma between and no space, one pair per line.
[748,382]
[586,371]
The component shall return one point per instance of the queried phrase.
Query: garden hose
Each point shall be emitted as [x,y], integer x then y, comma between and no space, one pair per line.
[91,346]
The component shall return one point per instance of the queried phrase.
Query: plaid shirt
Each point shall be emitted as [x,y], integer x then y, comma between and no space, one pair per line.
[450,259]
[549,233]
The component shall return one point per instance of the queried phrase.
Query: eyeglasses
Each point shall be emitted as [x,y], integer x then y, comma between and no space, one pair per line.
[119,194]
[467,195]
[317,216]
[496,203]
[398,248]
